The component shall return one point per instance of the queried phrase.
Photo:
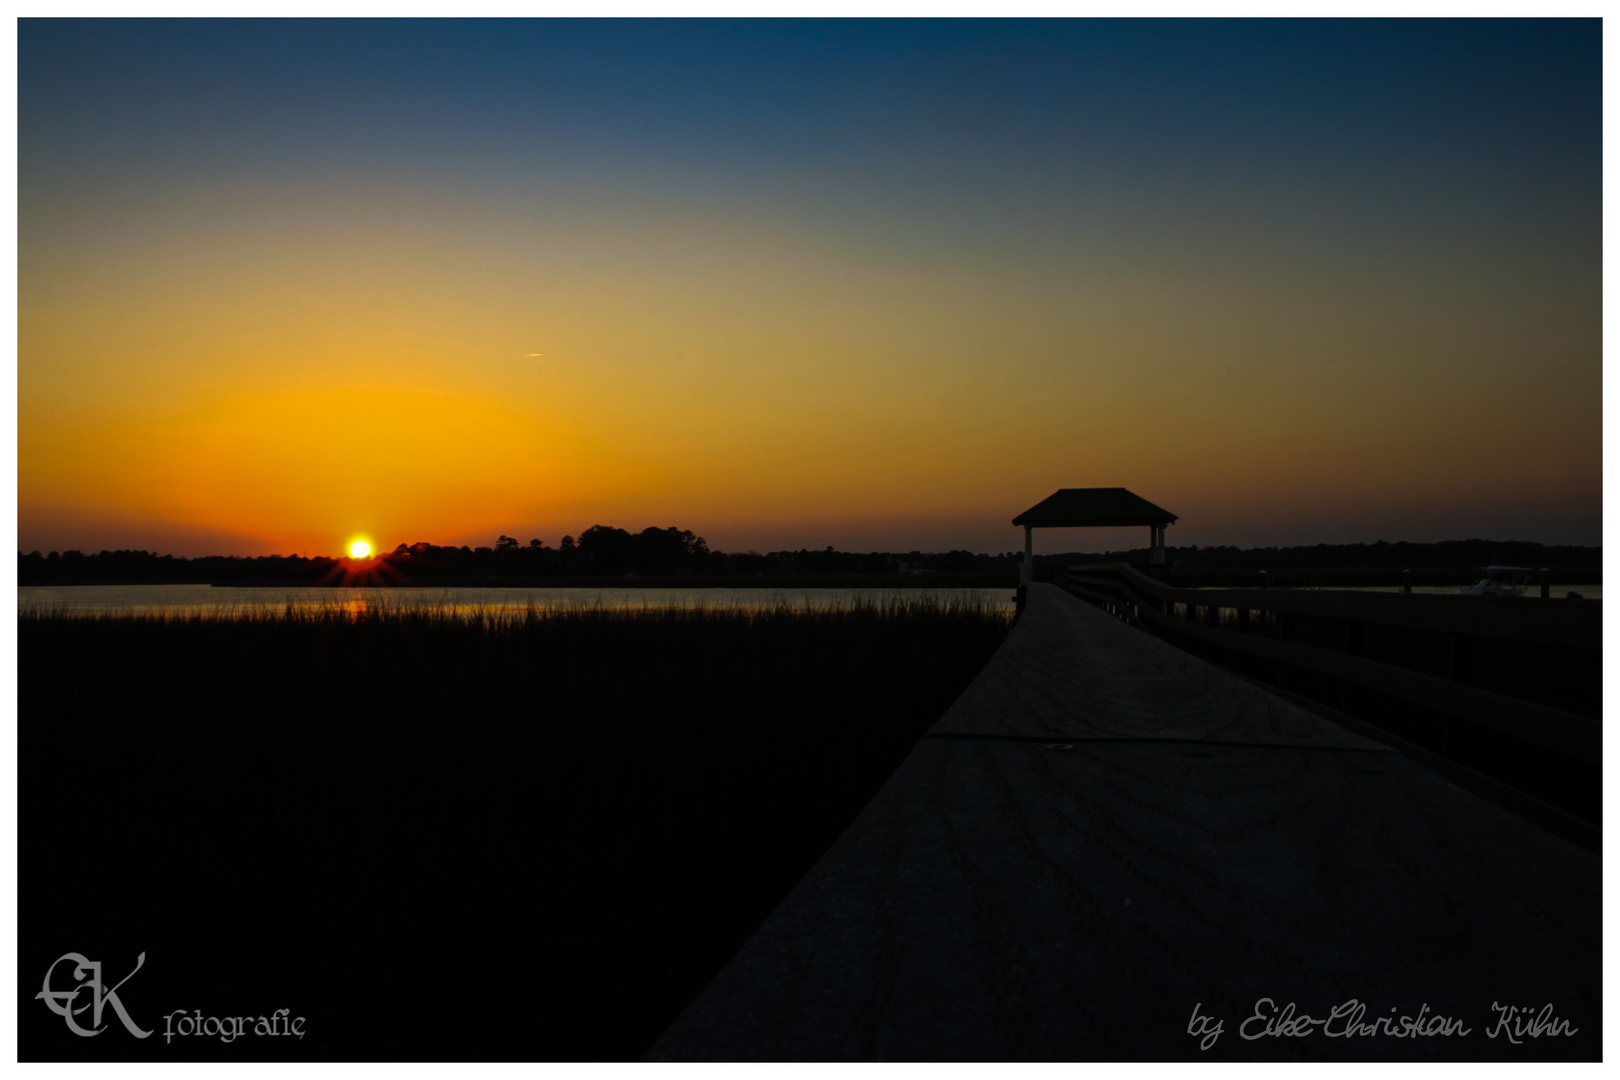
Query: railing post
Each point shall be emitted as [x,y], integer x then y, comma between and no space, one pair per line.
[1156,550]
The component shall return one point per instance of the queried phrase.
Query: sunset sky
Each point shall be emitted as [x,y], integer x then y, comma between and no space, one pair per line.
[878,284]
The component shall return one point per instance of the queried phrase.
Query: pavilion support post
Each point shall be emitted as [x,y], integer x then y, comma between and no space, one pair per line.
[1157,555]
[1026,573]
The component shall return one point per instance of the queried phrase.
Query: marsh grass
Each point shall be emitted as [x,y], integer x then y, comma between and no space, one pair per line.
[450,835]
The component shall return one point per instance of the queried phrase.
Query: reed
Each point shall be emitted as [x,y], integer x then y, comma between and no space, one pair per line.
[446,835]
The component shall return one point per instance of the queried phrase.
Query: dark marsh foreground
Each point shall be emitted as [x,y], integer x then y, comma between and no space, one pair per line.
[443,838]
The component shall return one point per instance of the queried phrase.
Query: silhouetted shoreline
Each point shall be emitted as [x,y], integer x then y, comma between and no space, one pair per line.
[671,558]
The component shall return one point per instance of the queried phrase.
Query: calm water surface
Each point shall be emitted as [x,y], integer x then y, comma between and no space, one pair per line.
[207,600]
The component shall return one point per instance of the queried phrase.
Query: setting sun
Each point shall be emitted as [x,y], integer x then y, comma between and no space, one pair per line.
[359,550]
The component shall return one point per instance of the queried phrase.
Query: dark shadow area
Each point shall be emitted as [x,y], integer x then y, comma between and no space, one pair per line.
[443,839]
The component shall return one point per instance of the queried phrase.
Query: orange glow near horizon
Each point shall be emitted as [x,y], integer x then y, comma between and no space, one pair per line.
[781,460]
[766,466]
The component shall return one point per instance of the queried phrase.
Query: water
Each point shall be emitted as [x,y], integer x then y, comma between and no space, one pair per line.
[212,602]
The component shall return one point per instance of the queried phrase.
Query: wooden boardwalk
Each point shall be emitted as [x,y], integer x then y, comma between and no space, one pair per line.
[1105,834]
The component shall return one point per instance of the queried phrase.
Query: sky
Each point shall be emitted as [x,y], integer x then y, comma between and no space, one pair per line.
[875,284]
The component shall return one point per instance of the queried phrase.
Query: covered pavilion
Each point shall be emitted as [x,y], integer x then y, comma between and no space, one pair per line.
[1082,507]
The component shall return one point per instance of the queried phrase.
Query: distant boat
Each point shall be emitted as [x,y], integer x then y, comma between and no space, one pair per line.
[1500,581]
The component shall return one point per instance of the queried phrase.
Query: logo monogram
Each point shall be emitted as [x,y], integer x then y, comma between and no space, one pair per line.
[87,976]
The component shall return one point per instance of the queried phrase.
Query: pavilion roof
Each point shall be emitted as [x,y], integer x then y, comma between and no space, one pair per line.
[1094,506]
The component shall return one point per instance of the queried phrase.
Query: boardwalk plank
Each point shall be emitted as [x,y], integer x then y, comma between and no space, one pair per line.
[1201,842]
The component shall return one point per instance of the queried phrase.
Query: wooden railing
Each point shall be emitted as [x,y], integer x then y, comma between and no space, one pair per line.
[1507,687]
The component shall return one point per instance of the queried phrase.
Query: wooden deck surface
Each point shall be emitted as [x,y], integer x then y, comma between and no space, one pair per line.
[1105,833]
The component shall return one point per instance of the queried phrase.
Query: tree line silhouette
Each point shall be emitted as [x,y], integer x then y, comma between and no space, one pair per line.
[599,551]
[606,551]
